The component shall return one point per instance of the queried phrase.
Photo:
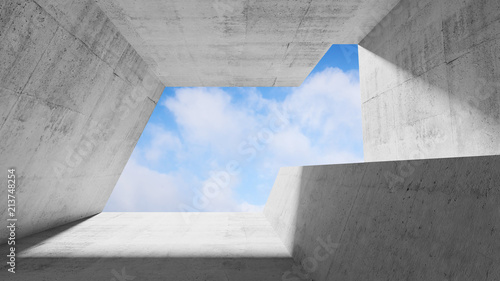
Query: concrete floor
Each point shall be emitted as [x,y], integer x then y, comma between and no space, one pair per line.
[158,246]
[160,235]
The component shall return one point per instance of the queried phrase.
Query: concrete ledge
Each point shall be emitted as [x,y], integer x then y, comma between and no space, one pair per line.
[154,246]
[407,220]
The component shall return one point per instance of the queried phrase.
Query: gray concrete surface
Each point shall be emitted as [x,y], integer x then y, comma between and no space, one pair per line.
[240,43]
[74,99]
[75,96]
[155,246]
[161,235]
[430,81]
[433,219]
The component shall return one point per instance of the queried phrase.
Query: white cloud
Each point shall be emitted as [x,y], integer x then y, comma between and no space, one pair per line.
[326,100]
[162,142]
[324,117]
[207,116]
[246,207]
[142,189]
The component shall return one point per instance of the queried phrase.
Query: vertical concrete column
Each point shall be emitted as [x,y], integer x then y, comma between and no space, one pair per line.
[74,99]
[430,81]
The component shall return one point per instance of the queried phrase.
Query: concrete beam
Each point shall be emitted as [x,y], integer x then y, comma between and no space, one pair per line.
[240,43]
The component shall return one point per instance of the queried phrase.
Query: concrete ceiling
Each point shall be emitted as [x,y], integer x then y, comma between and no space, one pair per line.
[240,43]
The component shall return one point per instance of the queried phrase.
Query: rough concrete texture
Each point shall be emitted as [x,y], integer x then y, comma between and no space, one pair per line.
[75,96]
[240,43]
[433,219]
[155,246]
[430,81]
[74,99]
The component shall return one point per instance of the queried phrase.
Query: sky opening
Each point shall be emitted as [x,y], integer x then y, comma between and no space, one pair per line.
[220,149]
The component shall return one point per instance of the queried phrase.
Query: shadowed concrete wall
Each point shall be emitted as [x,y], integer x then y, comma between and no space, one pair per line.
[74,99]
[430,81]
[433,219]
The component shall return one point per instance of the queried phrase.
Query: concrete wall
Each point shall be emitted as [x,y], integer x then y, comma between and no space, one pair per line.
[410,220]
[430,81]
[74,99]
[240,43]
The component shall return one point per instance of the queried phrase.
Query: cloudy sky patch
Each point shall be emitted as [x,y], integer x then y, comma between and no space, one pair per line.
[219,149]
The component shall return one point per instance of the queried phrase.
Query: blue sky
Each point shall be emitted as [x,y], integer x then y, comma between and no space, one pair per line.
[220,149]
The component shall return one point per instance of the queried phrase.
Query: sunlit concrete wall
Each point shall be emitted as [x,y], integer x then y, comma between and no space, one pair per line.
[430,81]
[435,219]
[74,99]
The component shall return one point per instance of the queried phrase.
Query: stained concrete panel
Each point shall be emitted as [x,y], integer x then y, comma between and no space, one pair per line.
[240,43]
[435,219]
[432,68]
[75,99]
[153,246]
